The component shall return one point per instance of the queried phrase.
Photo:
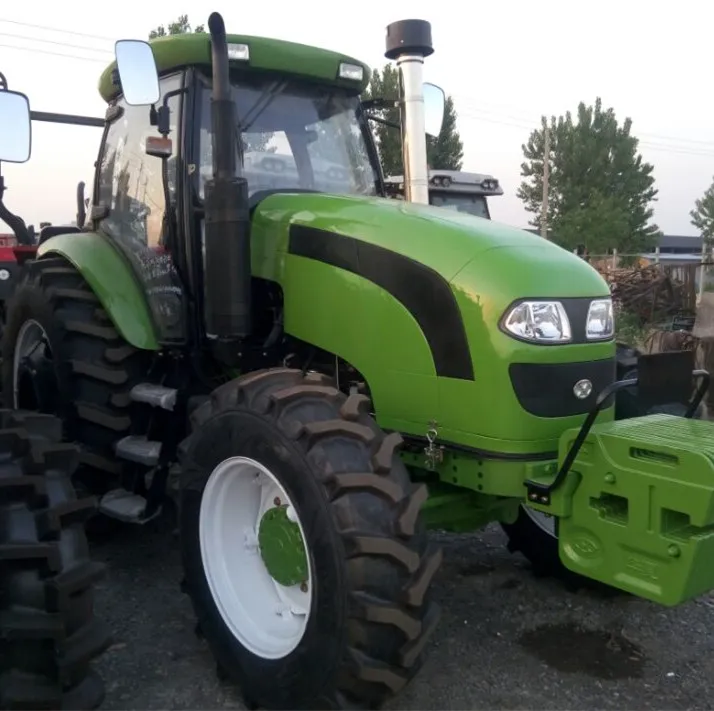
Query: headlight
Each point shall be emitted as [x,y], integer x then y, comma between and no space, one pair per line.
[538,321]
[601,320]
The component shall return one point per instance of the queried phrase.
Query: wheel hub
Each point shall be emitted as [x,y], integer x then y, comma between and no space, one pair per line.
[255,557]
[282,547]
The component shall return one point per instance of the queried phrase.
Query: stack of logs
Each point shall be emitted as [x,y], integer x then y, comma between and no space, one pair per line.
[652,293]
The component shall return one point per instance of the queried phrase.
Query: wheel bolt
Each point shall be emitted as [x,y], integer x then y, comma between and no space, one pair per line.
[303,586]
[276,501]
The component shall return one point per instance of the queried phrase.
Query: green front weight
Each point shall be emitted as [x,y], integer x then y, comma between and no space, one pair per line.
[636,510]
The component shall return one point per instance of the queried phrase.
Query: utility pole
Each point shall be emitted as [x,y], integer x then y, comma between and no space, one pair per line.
[546,177]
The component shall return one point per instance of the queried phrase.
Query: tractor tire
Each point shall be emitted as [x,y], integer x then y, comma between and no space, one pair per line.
[89,363]
[539,543]
[368,614]
[48,633]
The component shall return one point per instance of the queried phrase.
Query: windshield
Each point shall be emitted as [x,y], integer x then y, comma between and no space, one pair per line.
[295,135]
[462,202]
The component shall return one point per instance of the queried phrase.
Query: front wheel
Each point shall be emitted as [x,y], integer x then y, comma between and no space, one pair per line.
[302,544]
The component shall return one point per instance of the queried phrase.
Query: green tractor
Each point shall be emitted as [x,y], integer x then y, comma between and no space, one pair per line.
[454,189]
[316,378]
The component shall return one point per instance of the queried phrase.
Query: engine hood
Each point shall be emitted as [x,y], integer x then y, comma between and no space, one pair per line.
[443,240]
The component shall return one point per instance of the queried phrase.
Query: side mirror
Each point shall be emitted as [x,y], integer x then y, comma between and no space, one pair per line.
[15,127]
[434,101]
[137,72]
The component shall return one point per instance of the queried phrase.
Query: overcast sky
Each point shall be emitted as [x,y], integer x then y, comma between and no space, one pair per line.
[505,63]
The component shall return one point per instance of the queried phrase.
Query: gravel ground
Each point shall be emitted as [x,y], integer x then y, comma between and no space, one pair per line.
[506,640]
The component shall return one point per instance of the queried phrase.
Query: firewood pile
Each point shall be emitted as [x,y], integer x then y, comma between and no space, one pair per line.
[651,292]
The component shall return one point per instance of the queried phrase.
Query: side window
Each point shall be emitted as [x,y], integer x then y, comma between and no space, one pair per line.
[131,186]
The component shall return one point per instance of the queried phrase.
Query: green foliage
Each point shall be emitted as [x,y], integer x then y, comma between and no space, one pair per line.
[629,329]
[600,189]
[446,152]
[179,27]
[703,215]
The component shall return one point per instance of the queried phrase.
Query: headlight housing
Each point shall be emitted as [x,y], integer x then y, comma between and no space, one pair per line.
[538,322]
[601,320]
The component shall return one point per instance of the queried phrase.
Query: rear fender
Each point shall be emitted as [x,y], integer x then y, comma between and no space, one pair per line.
[112,280]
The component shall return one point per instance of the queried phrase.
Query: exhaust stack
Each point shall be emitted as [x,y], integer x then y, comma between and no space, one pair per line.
[408,43]
[227,282]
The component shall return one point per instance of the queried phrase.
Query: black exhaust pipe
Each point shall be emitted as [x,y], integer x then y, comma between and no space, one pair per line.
[227,271]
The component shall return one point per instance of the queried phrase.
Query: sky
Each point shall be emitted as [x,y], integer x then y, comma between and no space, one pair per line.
[505,63]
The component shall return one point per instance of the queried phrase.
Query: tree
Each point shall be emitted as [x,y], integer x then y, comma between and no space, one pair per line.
[600,189]
[446,152]
[179,27]
[703,215]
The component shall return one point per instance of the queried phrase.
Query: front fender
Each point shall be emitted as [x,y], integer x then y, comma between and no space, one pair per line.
[112,280]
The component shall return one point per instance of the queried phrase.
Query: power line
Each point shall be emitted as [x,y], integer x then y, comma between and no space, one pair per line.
[668,148]
[54,54]
[530,120]
[54,42]
[57,29]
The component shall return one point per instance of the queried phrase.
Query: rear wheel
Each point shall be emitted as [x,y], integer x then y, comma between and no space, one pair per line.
[48,634]
[303,549]
[63,356]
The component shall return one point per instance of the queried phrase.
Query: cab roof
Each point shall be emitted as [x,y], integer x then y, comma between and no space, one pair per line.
[302,61]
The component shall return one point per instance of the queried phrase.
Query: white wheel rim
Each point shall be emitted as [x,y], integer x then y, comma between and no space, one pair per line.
[545,522]
[29,337]
[266,617]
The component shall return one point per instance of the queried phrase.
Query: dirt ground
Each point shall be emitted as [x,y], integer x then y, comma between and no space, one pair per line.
[506,640]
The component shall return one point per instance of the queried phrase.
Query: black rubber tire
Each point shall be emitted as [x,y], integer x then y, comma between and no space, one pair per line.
[343,474]
[48,633]
[95,367]
[540,549]
[538,546]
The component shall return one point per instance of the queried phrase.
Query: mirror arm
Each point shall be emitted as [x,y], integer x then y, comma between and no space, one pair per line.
[16,223]
[384,122]
[163,115]
[380,103]
[70,119]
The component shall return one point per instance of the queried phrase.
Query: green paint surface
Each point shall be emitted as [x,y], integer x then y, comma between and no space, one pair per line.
[282,547]
[637,508]
[488,265]
[289,58]
[111,279]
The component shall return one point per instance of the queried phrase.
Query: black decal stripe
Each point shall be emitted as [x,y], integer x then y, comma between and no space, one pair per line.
[422,291]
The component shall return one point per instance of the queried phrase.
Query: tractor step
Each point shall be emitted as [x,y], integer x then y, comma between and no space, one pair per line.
[154,395]
[125,506]
[136,448]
